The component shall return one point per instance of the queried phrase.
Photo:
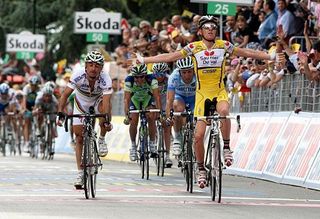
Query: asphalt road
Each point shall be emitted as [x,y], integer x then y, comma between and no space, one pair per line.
[32,188]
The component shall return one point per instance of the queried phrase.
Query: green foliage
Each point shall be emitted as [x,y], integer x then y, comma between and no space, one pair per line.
[17,15]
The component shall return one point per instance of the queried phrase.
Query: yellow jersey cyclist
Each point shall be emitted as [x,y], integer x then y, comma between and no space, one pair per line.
[141,91]
[209,55]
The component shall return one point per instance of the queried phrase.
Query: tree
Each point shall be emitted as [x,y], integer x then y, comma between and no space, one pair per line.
[55,19]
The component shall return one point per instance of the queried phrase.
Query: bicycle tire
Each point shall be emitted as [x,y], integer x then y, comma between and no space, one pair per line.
[142,151]
[85,164]
[146,154]
[160,158]
[3,141]
[216,170]
[190,160]
[182,157]
[94,170]
[49,142]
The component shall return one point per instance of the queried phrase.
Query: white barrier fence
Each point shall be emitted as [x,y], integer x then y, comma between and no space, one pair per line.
[282,147]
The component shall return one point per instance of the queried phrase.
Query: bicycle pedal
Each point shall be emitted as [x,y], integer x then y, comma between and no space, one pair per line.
[179,164]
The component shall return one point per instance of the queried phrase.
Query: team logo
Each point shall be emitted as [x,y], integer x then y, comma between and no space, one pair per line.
[207,53]
[191,46]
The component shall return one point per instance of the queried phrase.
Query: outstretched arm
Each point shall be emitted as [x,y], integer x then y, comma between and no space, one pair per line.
[165,57]
[243,52]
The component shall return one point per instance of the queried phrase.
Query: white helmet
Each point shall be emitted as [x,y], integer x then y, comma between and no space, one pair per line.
[185,63]
[95,56]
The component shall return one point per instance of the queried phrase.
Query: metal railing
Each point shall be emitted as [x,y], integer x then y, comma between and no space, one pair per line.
[291,92]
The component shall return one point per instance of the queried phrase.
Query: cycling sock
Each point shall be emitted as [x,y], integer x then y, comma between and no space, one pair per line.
[133,144]
[101,138]
[226,144]
[200,166]
[176,135]
[80,172]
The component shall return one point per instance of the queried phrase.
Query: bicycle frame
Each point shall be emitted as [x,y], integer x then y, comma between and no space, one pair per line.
[213,160]
[144,140]
[186,159]
[90,161]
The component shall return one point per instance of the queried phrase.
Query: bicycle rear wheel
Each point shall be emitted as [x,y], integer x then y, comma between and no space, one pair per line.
[216,171]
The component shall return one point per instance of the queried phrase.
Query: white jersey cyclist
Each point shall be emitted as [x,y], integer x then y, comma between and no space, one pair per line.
[84,97]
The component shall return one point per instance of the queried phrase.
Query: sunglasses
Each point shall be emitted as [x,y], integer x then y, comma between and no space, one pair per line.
[139,76]
[186,71]
[208,26]
[159,74]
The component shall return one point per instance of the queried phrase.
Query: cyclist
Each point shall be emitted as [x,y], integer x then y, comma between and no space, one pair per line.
[6,98]
[46,102]
[141,92]
[30,91]
[181,92]
[92,87]
[209,56]
[160,71]
[7,102]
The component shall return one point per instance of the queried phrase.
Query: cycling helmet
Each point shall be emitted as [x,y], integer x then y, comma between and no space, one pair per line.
[4,88]
[47,90]
[95,56]
[34,80]
[185,63]
[50,84]
[139,70]
[160,67]
[208,19]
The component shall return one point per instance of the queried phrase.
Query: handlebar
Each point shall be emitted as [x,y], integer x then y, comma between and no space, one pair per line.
[217,117]
[145,111]
[85,115]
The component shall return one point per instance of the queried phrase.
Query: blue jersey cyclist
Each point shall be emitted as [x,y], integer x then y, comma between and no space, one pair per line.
[141,92]
[181,93]
[161,72]
[6,98]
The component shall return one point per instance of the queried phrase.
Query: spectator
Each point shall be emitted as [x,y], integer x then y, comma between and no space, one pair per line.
[285,20]
[245,33]
[267,29]
[230,29]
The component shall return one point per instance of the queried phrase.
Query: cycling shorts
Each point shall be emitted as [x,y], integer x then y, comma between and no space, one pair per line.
[199,110]
[186,100]
[136,104]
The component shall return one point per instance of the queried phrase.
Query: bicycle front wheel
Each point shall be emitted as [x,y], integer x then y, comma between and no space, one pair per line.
[190,161]
[160,158]
[85,164]
[216,171]
[94,170]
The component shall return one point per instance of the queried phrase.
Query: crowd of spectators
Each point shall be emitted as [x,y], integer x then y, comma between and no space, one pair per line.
[267,25]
